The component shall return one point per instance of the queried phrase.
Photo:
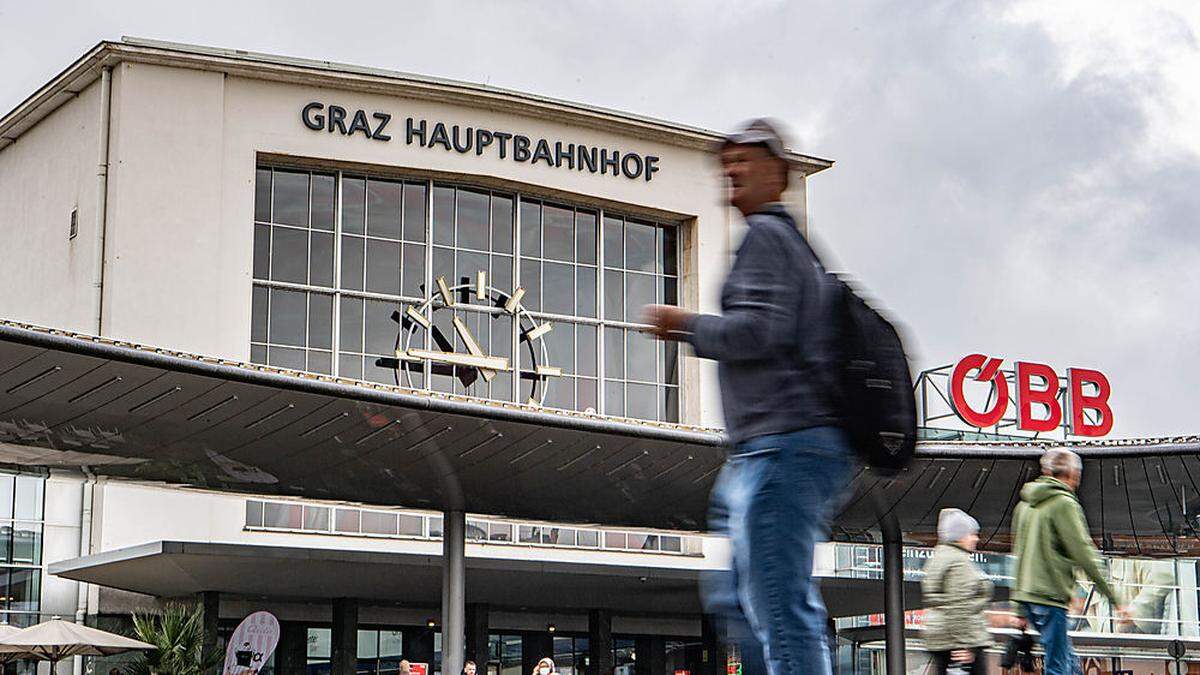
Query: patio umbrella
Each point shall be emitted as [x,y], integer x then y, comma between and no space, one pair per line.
[6,631]
[56,639]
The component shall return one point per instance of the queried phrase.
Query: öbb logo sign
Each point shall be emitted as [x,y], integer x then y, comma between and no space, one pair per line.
[986,369]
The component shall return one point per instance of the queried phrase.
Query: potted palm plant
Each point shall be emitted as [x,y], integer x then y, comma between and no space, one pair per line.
[177,633]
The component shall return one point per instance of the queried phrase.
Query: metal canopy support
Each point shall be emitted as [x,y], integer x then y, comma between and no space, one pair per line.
[454,581]
[893,593]
[344,637]
[210,603]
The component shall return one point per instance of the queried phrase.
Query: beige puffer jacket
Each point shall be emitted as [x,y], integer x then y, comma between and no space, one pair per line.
[955,593]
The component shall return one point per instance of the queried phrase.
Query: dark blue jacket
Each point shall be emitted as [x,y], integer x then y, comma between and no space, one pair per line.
[774,339]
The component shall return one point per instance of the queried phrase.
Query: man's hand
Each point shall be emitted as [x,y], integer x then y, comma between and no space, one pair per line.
[669,322]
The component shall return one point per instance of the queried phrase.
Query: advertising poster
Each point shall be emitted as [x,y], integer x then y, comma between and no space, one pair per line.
[251,644]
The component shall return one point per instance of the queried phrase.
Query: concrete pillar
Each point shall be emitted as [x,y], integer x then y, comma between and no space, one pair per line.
[534,646]
[454,581]
[600,641]
[292,653]
[344,642]
[210,603]
[651,655]
[477,635]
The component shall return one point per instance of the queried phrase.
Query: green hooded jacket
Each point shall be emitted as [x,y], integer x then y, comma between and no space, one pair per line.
[1050,540]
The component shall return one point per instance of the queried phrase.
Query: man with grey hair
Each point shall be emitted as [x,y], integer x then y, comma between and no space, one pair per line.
[1051,540]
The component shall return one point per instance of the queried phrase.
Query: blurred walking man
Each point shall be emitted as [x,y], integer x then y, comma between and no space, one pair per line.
[1050,541]
[773,343]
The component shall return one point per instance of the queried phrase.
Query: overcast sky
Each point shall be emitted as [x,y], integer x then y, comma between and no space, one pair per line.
[1018,179]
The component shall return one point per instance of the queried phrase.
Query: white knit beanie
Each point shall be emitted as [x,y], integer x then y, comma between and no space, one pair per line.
[954,524]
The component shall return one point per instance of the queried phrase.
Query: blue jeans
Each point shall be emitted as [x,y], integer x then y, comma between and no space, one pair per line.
[774,498]
[1051,625]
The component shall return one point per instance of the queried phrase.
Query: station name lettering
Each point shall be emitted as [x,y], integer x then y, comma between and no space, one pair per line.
[466,140]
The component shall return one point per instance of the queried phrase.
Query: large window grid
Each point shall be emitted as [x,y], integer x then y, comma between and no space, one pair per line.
[22,500]
[373,246]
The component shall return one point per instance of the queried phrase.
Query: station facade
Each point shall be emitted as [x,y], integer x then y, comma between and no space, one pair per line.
[392,230]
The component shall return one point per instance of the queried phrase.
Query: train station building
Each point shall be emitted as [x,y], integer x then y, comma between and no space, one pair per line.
[361,348]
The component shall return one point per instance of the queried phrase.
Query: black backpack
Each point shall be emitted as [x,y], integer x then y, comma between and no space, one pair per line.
[871,379]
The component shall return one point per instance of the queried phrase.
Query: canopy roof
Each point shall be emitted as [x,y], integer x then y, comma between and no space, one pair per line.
[124,410]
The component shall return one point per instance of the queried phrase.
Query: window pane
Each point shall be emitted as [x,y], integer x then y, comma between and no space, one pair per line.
[316,518]
[258,354]
[258,315]
[350,366]
[502,232]
[24,590]
[286,357]
[500,532]
[670,362]
[254,513]
[590,538]
[614,398]
[640,358]
[531,228]
[262,195]
[639,292]
[531,281]
[586,395]
[368,648]
[558,288]
[671,544]
[412,526]
[614,352]
[614,242]
[669,408]
[383,209]
[560,393]
[585,237]
[468,264]
[262,251]
[287,317]
[473,225]
[7,488]
[289,255]
[414,211]
[383,267]
[558,233]
[320,263]
[560,343]
[528,534]
[28,503]
[323,202]
[443,266]
[375,522]
[320,321]
[320,362]
[443,215]
[614,297]
[643,401]
[347,520]
[350,338]
[585,349]
[585,291]
[670,253]
[639,246]
[501,275]
[291,198]
[614,540]
[352,263]
[414,270]
[381,330]
[287,516]
[668,291]
[353,199]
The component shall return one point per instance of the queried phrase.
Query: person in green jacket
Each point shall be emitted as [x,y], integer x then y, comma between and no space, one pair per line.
[1051,540]
[955,593]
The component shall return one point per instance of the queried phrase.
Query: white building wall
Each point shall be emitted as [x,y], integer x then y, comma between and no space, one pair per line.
[47,172]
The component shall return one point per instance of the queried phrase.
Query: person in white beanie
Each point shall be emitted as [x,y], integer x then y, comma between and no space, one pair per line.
[956,593]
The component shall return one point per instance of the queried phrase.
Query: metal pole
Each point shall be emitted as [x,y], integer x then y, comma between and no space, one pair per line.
[454,540]
[893,594]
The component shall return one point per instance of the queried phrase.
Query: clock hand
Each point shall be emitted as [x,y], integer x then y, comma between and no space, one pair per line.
[459,359]
[472,347]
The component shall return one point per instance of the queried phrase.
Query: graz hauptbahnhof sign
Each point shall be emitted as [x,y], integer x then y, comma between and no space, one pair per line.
[1045,394]
[464,140]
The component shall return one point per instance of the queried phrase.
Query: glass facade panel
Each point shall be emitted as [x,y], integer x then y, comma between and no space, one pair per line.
[22,497]
[586,272]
